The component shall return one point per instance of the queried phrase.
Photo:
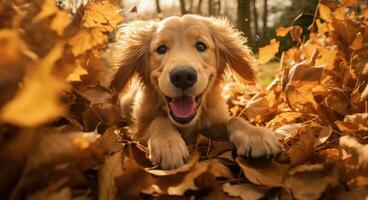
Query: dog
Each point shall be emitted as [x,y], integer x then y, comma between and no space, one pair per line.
[176,69]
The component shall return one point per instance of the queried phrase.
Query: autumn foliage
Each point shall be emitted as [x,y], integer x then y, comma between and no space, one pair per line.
[62,135]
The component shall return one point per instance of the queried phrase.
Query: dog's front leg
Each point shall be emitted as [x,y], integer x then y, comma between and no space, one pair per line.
[167,147]
[250,140]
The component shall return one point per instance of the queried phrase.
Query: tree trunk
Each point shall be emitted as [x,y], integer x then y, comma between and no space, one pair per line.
[190,10]
[255,22]
[218,10]
[182,7]
[265,19]
[199,7]
[158,8]
[210,7]
[243,20]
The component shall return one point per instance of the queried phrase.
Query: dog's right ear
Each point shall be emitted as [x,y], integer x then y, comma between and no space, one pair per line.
[130,52]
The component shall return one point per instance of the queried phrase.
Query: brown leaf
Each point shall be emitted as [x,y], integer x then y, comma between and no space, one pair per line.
[188,183]
[133,180]
[358,42]
[310,185]
[288,131]
[296,32]
[245,191]
[284,118]
[269,174]
[359,152]
[107,172]
[55,148]
[353,123]
[302,149]
[194,157]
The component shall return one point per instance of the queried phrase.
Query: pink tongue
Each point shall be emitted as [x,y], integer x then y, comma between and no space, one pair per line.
[182,107]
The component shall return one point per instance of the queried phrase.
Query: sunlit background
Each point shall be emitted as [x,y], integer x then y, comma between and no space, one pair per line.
[258,19]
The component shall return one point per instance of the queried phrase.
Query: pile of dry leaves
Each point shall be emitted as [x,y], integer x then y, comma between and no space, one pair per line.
[62,136]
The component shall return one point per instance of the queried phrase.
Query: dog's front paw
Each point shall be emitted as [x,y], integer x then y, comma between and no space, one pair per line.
[252,141]
[169,152]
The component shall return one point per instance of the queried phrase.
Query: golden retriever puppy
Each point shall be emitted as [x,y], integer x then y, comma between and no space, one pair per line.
[180,64]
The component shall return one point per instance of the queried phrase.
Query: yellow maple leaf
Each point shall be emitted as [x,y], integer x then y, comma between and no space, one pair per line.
[102,14]
[86,40]
[267,52]
[37,102]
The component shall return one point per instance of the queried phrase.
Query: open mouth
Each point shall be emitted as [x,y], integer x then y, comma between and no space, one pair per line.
[184,108]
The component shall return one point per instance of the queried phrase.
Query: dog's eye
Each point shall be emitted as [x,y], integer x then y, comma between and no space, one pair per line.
[161,49]
[201,46]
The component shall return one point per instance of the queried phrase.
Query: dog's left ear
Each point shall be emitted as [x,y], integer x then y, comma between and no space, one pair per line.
[231,46]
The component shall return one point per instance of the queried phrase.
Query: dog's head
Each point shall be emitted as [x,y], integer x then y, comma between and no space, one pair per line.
[181,58]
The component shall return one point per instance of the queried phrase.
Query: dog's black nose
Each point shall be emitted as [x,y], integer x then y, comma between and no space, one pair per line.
[183,77]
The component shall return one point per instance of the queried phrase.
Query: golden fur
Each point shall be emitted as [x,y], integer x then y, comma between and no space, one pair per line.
[145,102]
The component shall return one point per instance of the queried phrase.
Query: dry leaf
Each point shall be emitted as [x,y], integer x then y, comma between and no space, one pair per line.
[302,149]
[86,40]
[133,180]
[269,174]
[282,31]
[348,3]
[107,172]
[188,183]
[38,101]
[60,22]
[310,185]
[358,42]
[359,152]
[267,52]
[245,191]
[296,33]
[103,15]
[324,12]
[48,9]
[77,73]
[353,123]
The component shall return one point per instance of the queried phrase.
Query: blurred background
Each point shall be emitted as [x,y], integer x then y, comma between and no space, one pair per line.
[258,19]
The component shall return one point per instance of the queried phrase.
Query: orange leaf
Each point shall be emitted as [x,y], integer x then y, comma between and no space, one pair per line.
[104,15]
[266,53]
[282,31]
[324,12]
[358,42]
[38,101]
[296,32]
[87,40]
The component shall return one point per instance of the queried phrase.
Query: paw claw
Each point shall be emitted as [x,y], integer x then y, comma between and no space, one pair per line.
[260,143]
[168,153]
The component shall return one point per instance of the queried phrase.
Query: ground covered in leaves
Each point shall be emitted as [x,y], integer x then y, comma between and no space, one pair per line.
[62,135]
